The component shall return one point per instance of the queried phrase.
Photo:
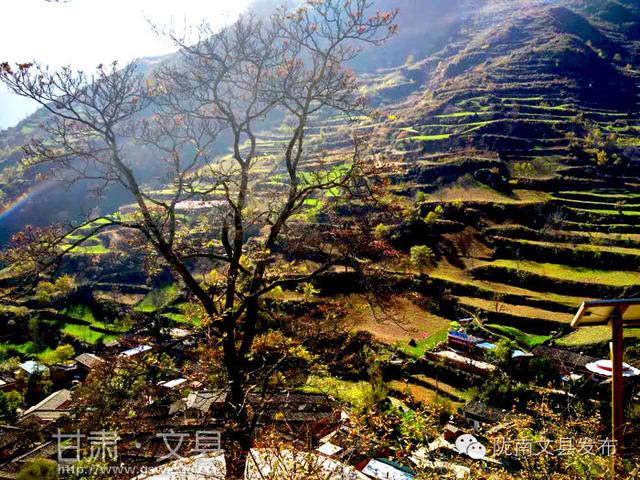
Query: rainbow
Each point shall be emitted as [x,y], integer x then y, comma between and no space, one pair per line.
[9,208]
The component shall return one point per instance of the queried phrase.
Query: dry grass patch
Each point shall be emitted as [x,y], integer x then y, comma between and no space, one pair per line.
[422,394]
[523,311]
[479,193]
[129,299]
[402,321]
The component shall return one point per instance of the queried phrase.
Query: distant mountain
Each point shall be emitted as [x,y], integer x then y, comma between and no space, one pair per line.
[501,76]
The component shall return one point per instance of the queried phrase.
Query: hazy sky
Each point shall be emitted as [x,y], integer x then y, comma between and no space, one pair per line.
[85,33]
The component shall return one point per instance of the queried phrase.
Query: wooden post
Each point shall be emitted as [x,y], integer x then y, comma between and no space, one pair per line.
[617,390]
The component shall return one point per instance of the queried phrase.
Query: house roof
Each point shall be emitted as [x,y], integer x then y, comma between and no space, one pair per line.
[566,357]
[176,382]
[9,435]
[464,361]
[485,413]
[179,332]
[382,469]
[31,367]
[6,380]
[52,407]
[424,459]
[135,351]
[202,401]
[299,401]
[328,449]
[89,360]
[294,407]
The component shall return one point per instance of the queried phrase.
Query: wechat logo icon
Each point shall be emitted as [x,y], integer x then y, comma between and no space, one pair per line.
[470,446]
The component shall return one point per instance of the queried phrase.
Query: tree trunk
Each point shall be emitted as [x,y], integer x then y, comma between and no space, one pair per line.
[238,439]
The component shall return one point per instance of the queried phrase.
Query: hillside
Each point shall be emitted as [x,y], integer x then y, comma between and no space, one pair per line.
[524,145]
[512,129]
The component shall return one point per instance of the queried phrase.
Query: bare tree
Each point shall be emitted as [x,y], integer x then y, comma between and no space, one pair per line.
[227,85]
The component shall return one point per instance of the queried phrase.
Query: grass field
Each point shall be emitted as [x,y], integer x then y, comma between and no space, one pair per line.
[26,348]
[86,334]
[625,213]
[157,298]
[181,317]
[578,274]
[430,138]
[455,115]
[84,312]
[601,236]
[91,249]
[599,194]
[579,246]
[354,393]
[477,192]
[423,345]
[441,386]
[446,271]
[592,335]
[529,340]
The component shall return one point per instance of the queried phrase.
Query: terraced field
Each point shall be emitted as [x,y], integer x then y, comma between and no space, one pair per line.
[513,146]
[534,279]
[87,329]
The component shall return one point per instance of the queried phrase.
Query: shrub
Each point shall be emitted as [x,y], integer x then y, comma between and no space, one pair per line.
[39,469]
[422,256]
[64,284]
[524,169]
[503,392]
[501,355]
[431,217]
[382,231]
[46,290]
[9,404]
[62,354]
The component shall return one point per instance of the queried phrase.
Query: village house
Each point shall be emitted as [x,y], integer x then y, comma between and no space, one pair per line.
[383,469]
[51,408]
[199,405]
[8,383]
[9,436]
[478,415]
[300,415]
[63,375]
[31,367]
[136,351]
[87,362]
[566,361]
